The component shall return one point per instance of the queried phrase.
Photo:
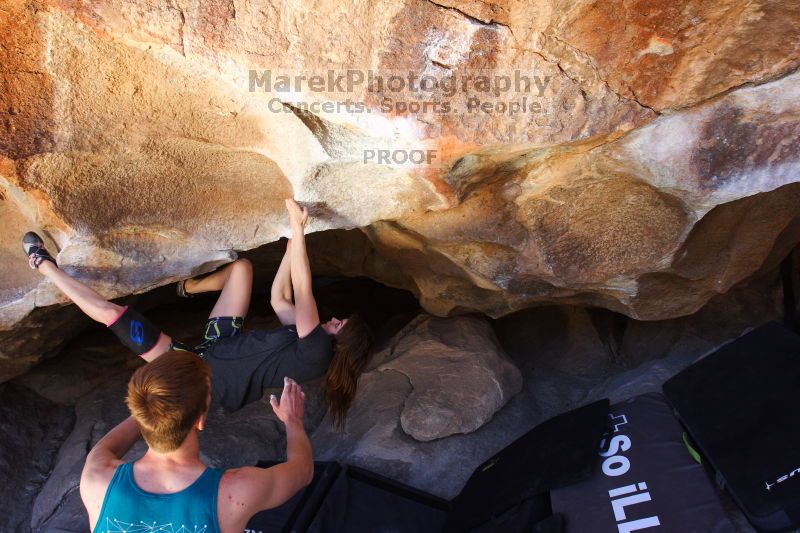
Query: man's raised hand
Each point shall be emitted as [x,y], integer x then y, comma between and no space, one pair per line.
[292,403]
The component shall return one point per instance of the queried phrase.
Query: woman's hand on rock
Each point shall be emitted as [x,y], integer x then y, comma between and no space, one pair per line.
[297,215]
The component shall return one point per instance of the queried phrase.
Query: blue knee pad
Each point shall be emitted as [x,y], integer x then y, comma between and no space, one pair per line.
[135,331]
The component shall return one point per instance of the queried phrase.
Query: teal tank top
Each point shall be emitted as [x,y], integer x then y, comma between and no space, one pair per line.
[126,507]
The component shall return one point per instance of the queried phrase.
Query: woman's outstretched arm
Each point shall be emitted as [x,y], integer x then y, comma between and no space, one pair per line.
[281,294]
[306,314]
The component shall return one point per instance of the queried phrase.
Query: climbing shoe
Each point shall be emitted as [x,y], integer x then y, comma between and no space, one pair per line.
[33,245]
[180,289]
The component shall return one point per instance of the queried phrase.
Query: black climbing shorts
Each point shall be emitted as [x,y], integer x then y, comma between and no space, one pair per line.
[218,327]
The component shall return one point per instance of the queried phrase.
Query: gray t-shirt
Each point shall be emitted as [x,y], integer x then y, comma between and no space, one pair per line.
[244,365]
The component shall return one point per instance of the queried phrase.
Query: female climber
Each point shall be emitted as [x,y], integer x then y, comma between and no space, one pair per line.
[243,364]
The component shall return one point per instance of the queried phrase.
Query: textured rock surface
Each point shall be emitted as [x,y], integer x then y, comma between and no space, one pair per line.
[33,429]
[661,170]
[652,224]
[458,373]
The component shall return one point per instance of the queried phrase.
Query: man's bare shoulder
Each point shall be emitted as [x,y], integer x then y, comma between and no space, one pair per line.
[95,479]
[251,489]
[96,475]
[242,492]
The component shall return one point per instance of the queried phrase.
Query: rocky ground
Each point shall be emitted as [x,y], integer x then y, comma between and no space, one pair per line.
[542,361]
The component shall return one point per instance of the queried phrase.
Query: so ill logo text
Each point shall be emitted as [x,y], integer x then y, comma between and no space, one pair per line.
[616,464]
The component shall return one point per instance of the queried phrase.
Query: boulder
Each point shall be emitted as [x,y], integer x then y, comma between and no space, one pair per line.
[652,224]
[146,143]
[459,375]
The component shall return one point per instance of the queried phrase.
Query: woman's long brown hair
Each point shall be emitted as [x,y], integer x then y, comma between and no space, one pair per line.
[351,355]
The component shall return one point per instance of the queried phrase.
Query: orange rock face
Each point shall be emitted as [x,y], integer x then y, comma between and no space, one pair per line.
[640,156]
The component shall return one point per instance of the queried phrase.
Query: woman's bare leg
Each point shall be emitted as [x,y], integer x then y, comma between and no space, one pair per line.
[236,283]
[95,306]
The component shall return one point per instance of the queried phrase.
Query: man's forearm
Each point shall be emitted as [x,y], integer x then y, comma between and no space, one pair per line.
[120,439]
[298,447]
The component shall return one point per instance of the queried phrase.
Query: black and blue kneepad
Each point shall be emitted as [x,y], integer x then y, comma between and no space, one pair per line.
[135,331]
